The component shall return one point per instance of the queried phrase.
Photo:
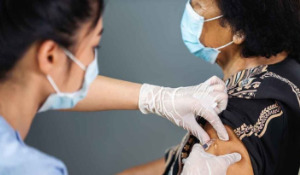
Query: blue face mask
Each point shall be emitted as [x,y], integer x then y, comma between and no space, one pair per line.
[191,29]
[60,100]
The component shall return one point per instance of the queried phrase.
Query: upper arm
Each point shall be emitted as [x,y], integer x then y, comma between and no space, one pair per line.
[226,147]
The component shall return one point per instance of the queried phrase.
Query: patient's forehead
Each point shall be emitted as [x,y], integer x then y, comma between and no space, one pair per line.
[204,3]
[206,8]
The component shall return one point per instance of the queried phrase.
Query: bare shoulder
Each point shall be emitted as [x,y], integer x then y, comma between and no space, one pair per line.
[233,145]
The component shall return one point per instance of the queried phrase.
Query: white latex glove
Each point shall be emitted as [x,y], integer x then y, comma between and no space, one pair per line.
[201,163]
[182,105]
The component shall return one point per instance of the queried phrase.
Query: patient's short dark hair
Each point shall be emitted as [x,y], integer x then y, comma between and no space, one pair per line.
[270,26]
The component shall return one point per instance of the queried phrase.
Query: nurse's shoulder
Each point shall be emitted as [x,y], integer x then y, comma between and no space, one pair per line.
[18,158]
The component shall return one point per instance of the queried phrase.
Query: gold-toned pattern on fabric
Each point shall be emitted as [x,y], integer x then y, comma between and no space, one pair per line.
[245,83]
[295,89]
[187,148]
[260,127]
[185,140]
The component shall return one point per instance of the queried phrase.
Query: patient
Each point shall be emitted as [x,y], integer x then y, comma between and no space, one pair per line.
[262,73]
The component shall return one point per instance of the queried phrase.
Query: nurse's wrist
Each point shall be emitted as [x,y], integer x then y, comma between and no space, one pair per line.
[148,99]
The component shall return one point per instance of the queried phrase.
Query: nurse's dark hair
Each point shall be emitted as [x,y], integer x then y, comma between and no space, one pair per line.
[270,26]
[24,22]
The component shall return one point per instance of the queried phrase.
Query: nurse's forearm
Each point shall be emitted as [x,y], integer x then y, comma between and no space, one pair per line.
[110,94]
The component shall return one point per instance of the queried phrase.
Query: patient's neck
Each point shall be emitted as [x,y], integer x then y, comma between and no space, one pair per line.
[233,65]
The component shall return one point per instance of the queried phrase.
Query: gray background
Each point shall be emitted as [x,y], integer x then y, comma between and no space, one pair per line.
[141,43]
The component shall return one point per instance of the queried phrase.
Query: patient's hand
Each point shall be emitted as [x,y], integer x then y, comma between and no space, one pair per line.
[226,147]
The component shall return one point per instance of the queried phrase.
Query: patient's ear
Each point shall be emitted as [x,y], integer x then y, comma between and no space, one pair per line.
[238,38]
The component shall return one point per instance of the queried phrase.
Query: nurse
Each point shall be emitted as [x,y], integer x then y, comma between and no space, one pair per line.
[48,61]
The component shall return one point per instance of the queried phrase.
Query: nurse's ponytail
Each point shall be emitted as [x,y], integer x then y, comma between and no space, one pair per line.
[24,22]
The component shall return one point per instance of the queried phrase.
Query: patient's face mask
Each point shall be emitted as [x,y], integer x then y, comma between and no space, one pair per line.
[60,100]
[191,29]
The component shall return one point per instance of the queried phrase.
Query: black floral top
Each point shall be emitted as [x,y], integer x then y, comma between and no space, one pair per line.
[264,111]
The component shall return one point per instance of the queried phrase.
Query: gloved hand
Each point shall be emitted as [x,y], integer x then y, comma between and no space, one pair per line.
[201,163]
[182,105]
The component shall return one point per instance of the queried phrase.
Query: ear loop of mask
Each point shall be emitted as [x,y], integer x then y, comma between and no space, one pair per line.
[224,45]
[212,19]
[53,84]
[73,58]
